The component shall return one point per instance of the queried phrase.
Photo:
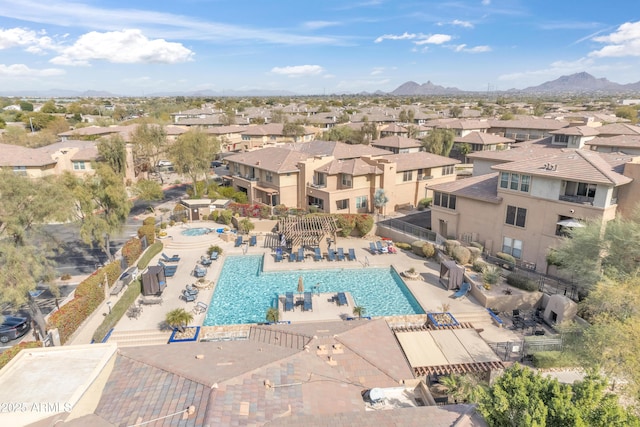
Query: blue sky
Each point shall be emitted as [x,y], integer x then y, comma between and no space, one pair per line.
[142,47]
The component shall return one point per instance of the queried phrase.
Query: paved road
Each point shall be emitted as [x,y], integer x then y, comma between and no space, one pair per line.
[77,258]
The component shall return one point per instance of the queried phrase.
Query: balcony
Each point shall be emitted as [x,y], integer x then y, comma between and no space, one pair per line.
[582,200]
[312,185]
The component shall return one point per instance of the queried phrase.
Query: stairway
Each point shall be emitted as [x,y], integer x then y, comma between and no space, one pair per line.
[473,317]
[139,338]
[193,243]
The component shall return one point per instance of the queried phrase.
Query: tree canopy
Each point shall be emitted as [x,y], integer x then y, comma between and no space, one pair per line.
[192,153]
[439,141]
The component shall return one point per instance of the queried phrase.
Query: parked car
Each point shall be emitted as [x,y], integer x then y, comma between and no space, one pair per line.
[216,164]
[164,163]
[13,327]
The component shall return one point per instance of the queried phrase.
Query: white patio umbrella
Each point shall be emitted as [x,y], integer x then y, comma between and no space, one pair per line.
[570,223]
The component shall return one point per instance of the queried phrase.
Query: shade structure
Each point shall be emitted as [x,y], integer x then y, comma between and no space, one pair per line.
[570,223]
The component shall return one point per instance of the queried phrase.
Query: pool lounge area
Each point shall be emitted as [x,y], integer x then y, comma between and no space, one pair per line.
[245,291]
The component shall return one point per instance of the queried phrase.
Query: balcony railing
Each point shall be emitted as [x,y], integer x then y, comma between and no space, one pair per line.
[312,185]
[583,200]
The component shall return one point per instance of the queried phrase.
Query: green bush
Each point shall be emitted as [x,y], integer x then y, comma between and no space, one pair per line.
[213,216]
[479,266]
[118,310]
[461,254]
[449,245]
[131,250]
[521,281]
[148,255]
[225,217]
[491,275]
[417,246]
[476,245]
[364,224]
[214,248]
[403,245]
[10,353]
[280,210]
[554,359]
[149,221]
[428,250]
[347,223]
[424,203]
[474,253]
[506,257]
[148,230]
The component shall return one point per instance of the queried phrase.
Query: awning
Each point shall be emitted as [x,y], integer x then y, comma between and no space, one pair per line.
[570,223]
[266,190]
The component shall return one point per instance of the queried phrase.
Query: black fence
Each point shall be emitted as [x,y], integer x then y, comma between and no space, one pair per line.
[420,233]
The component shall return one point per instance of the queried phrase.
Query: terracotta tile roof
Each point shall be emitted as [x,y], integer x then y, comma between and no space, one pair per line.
[88,154]
[577,131]
[618,129]
[14,155]
[619,141]
[419,160]
[275,159]
[481,187]
[221,130]
[201,121]
[521,150]
[530,123]
[483,138]
[355,167]
[339,150]
[396,141]
[573,165]
[464,124]
[264,130]
[394,128]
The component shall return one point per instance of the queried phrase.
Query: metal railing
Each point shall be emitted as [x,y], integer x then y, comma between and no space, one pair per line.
[420,233]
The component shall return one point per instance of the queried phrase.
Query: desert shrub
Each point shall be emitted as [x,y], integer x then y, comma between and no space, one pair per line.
[449,245]
[65,276]
[477,245]
[508,258]
[280,210]
[403,245]
[521,281]
[214,248]
[11,352]
[424,203]
[428,250]
[416,247]
[347,223]
[224,217]
[491,275]
[131,250]
[553,258]
[163,225]
[474,253]
[149,220]
[246,225]
[364,224]
[461,255]
[479,266]
[265,211]
[148,230]
[213,216]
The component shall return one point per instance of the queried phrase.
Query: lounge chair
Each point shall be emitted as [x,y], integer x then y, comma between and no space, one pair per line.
[352,254]
[463,291]
[288,301]
[205,261]
[199,271]
[214,256]
[292,257]
[278,254]
[187,297]
[317,255]
[308,302]
[165,258]
[342,298]
[340,254]
[238,241]
[381,249]
[373,249]
[331,255]
[200,308]
[253,240]
[191,289]
[300,254]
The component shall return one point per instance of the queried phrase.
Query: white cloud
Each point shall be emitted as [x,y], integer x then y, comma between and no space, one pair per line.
[476,49]
[316,25]
[625,41]
[298,70]
[32,41]
[377,70]
[21,70]
[434,39]
[465,24]
[405,36]
[486,2]
[127,46]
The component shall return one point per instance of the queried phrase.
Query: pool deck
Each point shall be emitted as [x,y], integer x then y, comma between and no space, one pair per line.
[427,290]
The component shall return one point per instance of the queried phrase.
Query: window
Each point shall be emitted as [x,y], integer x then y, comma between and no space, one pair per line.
[361,202]
[246,138]
[314,201]
[347,180]
[407,176]
[268,176]
[561,138]
[512,247]
[515,181]
[587,190]
[20,170]
[342,204]
[516,216]
[319,179]
[448,170]
[78,166]
[444,200]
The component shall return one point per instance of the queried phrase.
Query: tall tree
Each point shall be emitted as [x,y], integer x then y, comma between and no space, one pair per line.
[102,206]
[112,150]
[192,153]
[439,141]
[27,204]
[149,144]
[380,199]
[147,190]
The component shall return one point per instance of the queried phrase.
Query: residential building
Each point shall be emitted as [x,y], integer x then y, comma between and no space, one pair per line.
[526,129]
[628,144]
[398,144]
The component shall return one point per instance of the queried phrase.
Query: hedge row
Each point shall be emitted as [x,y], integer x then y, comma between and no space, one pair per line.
[88,296]
[118,310]
[251,210]
[521,281]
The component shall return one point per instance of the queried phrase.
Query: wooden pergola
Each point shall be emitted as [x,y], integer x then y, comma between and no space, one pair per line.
[312,231]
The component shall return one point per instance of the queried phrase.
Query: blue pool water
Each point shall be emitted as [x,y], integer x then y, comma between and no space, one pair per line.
[244,292]
[196,231]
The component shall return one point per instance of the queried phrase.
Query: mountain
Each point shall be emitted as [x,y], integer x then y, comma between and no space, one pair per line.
[578,82]
[428,88]
[231,93]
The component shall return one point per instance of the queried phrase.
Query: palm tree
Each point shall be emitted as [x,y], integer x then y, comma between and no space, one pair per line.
[359,311]
[273,315]
[178,319]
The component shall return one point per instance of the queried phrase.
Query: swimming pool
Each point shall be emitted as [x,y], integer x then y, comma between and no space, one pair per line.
[244,292]
[199,231]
